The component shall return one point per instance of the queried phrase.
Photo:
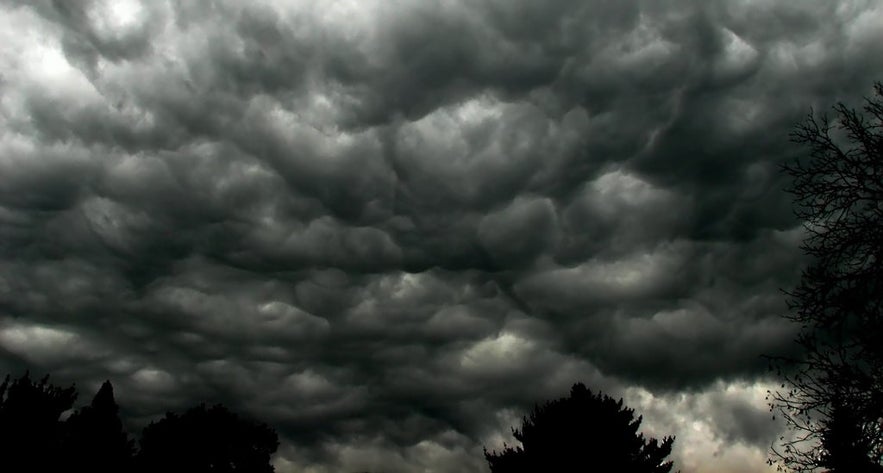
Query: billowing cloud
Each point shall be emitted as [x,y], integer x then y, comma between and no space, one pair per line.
[388,229]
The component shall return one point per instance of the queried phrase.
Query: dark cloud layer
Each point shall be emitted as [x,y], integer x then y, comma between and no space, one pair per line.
[389,227]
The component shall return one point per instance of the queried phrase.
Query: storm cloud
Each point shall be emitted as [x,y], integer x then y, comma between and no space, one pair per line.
[388,228]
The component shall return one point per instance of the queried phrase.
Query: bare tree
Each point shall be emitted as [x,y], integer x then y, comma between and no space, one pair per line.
[832,395]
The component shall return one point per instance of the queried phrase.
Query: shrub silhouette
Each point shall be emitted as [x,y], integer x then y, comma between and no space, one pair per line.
[29,422]
[94,437]
[207,440]
[583,432]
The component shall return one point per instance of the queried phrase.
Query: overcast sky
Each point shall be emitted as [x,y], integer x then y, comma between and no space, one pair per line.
[388,227]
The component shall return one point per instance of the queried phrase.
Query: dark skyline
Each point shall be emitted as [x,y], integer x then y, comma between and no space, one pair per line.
[388,228]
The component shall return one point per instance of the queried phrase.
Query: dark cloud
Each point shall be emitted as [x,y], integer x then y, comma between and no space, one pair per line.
[389,228]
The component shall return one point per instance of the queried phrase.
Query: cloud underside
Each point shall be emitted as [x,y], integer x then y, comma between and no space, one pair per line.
[388,228]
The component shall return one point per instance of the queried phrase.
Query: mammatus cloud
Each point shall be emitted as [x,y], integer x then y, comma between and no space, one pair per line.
[389,228]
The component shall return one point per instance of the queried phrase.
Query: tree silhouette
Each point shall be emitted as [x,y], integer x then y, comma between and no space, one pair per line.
[846,445]
[94,437]
[29,422]
[832,397]
[33,437]
[207,440]
[583,432]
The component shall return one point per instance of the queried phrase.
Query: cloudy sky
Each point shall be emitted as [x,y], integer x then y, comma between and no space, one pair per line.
[388,227]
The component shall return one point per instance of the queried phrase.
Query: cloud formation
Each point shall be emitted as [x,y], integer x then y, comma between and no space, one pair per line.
[387,228]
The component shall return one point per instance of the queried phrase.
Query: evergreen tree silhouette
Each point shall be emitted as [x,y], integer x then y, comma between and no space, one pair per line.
[207,440]
[584,432]
[95,440]
[29,422]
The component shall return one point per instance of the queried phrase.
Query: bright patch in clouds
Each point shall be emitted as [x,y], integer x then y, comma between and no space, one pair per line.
[114,17]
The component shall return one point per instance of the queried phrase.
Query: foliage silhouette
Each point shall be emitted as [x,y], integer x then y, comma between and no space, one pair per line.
[832,397]
[583,432]
[207,440]
[846,446]
[94,437]
[34,438]
[29,422]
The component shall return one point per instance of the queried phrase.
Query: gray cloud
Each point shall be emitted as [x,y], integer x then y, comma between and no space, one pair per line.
[388,229]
